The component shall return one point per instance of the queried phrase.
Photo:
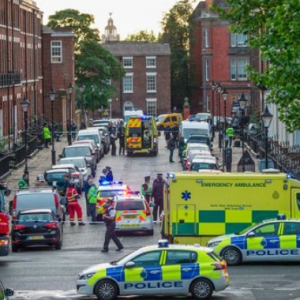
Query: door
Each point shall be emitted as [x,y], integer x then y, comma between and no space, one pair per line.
[290,241]
[295,195]
[145,276]
[186,221]
[134,138]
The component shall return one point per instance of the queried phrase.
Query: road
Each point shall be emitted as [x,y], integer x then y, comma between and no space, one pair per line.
[44,273]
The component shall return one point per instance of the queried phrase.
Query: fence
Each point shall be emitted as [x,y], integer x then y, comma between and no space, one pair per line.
[32,145]
[4,163]
[17,156]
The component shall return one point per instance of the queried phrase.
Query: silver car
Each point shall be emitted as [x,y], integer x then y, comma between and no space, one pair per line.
[81,163]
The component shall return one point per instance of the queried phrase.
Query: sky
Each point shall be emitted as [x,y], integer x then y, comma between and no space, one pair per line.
[129,16]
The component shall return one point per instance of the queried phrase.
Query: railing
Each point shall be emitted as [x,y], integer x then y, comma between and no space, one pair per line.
[17,156]
[32,145]
[4,163]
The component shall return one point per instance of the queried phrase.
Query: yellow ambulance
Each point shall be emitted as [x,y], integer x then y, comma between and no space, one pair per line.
[200,206]
[141,136]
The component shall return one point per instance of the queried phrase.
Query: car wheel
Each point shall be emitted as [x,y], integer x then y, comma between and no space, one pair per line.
[106,290]
[14,248]
[58,245]
[232,256]
[202,289]
[150,232]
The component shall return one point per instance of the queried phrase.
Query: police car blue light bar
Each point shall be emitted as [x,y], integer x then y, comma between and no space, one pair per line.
[171,175]
[163,243]
[281,217]
[110,182]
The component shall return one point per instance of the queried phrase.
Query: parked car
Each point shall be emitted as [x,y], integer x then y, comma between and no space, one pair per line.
[186,165]
[36,227]
[105,137]
[102,122]
[81,163]
[199,138]
[5,292]
[95,149]
[83,150]
[204,164]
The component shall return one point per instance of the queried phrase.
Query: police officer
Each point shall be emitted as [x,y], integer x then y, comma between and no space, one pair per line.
[110,221]
[146,189]
[92,197]
[230,134]
[109,174]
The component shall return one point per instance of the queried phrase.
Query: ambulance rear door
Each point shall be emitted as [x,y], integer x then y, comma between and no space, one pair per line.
[295,203]
[134,134]
[186,220]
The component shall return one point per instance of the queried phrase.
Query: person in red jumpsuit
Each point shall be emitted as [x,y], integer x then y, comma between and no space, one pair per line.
[73,204]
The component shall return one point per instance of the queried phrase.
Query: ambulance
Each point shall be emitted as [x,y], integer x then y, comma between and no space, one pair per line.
[141,136]
[201,206]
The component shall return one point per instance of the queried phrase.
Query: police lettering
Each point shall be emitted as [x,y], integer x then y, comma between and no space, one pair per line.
[281,252]
[153,285]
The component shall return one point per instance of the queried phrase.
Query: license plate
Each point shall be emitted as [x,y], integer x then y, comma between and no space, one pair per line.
[129,217]
[36,237]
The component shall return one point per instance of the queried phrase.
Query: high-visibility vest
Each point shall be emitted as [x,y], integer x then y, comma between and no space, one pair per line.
[71,194]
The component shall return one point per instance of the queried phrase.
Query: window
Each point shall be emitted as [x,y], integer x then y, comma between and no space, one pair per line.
[238,40]
[127,62]
[56,52]
[268,229]
[151,82]
[207,70]
[148,259]
[174,119]
[181,257]
[238,69]
[298,201]
[150,61]
[207,103]
[206,37]
[291,228]
[128,83]
[151,107]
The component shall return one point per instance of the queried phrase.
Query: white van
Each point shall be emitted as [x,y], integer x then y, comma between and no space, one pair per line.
[187,128]
[132,113]
[92,134]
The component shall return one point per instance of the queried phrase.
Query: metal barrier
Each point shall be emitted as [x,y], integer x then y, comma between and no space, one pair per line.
[17,156]
[4,163]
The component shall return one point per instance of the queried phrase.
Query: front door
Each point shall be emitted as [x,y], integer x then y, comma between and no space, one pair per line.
[295,213]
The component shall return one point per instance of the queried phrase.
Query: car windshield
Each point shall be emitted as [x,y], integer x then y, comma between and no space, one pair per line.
[111,193]
[77,151]
[188,131]
[160,118]
[203,166]
[35,201]
[56,176]
[130,205]
[35,217]
[199,148]
[77,162]
[93,137]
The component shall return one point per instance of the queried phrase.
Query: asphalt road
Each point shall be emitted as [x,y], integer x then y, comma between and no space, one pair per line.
[44,273]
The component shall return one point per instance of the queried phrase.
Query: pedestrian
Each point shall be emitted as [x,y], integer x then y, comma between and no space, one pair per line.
[69,132]
[181,148]
[146,189]
[171,147]
[92,197]
[58,130]
[23,182]
[86,188]
[64,192]
[73,204]
[167,134]
[109,175]
[46,135]
[110,221]
[158,187]
[113,138]
[121,135]
[230,133]
[175,133]
[40,181]
[102,177]
[82,125]
[73,130]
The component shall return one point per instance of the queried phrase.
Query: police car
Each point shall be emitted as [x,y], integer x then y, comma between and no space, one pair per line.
[133,213]
[157,270]
[108,190]
[271,240]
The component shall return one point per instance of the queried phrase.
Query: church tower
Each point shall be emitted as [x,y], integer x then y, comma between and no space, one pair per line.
[110,32]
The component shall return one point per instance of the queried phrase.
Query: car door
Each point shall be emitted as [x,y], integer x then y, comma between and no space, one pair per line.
[145,277]
[290,241]
[263,242]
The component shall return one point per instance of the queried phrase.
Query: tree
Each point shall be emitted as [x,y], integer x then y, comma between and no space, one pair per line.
[142,36]
[176,23]
[273,28]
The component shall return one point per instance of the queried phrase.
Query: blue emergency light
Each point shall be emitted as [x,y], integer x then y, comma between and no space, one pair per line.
[145,118]
[171,175]
[281,217]
[109,182]
[163,243]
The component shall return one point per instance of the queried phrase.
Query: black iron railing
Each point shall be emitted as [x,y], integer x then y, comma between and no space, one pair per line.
[4,163]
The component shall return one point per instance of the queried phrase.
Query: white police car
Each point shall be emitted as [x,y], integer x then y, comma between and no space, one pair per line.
[157,270]
[271,240]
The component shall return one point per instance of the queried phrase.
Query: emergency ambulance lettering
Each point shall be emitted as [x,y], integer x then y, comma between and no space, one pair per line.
[153,285]
[242,184]
[282,252]
[216,184]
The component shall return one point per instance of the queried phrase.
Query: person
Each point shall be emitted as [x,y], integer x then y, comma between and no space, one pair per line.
[175,133]
[73,204]
[146,189]
[181,148]
[86,188]
[158,194]
[110,221]
[167,134]
[230,134]
[92,197]
[23,182]
[121,135]
[69,133]
[40,181]
[102,177]
[113,138]
[109,175]
[82,125]
[58,130]
[73,130]
[171,147]
[46,135]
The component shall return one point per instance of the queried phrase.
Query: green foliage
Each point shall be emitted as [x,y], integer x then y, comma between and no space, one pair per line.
[142,36]
[273,27]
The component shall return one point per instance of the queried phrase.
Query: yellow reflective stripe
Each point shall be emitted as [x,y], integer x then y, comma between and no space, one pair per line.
[163,258]
[288,241]
[255,243]
[133,274]
[100,274]
[280,229]
[171,272]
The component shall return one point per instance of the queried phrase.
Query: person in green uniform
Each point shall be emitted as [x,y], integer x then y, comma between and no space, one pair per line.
[146,189]
[46,135]
[23,182]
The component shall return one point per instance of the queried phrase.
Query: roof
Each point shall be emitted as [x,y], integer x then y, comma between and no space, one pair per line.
[64,166]
[137,48]
[57,170]
[112,187]
[34,211]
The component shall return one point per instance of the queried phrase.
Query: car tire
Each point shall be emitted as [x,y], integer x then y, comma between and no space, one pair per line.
[232,256]
[14,248]
[106,290]
[150,232]
[58,245]
[202,289]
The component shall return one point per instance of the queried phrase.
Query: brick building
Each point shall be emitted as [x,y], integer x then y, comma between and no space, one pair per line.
[219,56]
[147,83]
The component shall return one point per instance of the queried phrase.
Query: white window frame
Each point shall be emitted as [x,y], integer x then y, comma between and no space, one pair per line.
[56,58]
[148,76]
[237,69]
[127,62]
[207,69]
[149,60]
[150,101]
[206,37]
[238,40]
[127,89]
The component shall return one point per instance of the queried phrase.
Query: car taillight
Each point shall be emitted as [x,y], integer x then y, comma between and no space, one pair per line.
[219,266]
[75,175]
[19,227]
[51,225]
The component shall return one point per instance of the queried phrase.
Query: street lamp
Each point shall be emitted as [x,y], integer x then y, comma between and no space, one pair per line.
[110,101]
[81,89]
[93,90]
[219,90]
[52,95]
[243,103]
[267,119]
[25,104]
[213,87]
[70,91]
[224,95]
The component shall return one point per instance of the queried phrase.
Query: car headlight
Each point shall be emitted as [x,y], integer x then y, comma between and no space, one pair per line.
[213,244]
[86,276]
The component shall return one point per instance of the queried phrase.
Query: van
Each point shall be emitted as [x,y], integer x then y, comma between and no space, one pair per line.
[188,128]
[165,120]
[92,134]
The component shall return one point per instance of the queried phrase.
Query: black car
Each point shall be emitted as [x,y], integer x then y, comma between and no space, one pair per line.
[5,293]
[36,227]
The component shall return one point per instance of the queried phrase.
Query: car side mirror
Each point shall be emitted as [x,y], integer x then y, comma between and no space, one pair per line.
[251,234]
[129,264]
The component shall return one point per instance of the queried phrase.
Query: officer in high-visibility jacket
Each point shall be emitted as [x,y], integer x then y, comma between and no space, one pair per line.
[73,205]
[92,197]
[230,134]
[146,189]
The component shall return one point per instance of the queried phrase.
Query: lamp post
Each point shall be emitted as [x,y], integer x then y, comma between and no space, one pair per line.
[70,91]
[25,104]
[81,89]
[110,101]
[242,103]
[224,95]
[213,87]
[267,119]
[219,91]
[52,95]
[93,107]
